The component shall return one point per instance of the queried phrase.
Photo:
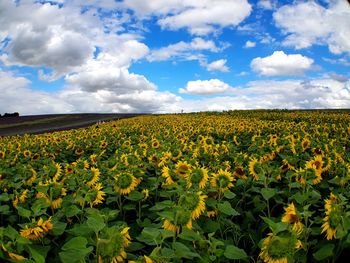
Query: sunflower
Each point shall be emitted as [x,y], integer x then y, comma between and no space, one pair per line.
[27,153]
[37,231]
[103,144]
[164,159]
[147,259]
[79,151]
[198,177]
[32,178]
[332,218]
[95,176]
[145,193]
[170,178]
[239,173]
[55,204]
[177,156]
[291,217]
[93,159]
[253,168]
[99,195]
[182,168]
[193,202]
[222,180]
[212,213]
[155,144]
[278,248]
[125,183]
[305,143]
[11,255]
[182,219]
[2,154]
[315,166]
[58,172]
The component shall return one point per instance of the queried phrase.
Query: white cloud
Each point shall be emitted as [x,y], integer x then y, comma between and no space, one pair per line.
[183,50]
[17,95]
[266,4]
[199,17]
[308,23]
[217,65]
[281,64]
[291,94]
[205,87]
[249,44]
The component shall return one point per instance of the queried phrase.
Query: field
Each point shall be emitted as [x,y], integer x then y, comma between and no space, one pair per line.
[34,124]
[238,186]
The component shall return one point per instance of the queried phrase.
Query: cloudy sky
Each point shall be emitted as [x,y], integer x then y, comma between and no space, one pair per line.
[171,55]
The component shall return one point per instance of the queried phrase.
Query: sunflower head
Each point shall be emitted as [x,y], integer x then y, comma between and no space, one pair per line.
[27,153]
[333,216]
[254,168]
[182,168]
[193,202]
[125,183]
[2,154]
[279,248]
[305,143]
[197,177]
[222,180]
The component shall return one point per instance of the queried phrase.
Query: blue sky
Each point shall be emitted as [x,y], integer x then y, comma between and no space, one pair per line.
[171,56]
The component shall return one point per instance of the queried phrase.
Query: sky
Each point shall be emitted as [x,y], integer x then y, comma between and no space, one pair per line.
[165,56]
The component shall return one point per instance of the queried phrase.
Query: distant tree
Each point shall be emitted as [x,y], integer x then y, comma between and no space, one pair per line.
[15,114]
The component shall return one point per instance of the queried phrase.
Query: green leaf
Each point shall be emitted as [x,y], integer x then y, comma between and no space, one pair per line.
[268,193]
[23,212]
[275,227]
[227,209]
[75,250]
[149,235]
[135,196]
[324,252]
[229,195]
[58,228]
[10,232]
[5,210]
[39,207]
[300,197]
[95,223]
[161,205]
[233,252]
[182,251]
[38,253]
[72,210]
[4,197]
[189,235]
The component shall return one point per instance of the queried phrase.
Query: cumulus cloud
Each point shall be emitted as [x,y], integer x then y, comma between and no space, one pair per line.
[18,95]
[291,94]
[45,35]
[199,17]
[205,87]
[281,64]
[308,23]
[217,65]
[249,44]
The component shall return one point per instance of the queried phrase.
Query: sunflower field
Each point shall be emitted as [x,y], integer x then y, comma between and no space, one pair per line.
[237,186]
